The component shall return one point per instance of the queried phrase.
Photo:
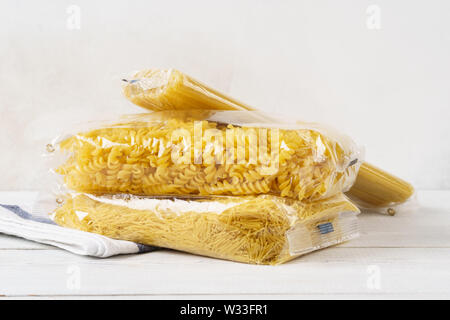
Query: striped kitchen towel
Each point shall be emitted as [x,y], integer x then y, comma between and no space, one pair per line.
[20,223]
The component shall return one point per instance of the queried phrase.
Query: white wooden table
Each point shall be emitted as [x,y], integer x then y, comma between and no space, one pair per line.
[405,256]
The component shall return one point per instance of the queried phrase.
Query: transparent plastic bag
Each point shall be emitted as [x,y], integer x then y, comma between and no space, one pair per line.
[159,89]
[254,229]
[206,153]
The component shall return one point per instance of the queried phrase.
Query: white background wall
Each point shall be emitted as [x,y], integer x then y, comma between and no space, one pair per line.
[318,60]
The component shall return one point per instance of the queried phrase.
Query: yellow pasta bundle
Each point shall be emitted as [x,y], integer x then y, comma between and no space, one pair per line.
[176,153]
[157,89]
[259,230]
[376,189]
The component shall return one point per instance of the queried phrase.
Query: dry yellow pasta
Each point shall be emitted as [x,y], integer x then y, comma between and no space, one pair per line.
[259,230]
[175,153]
[157,89]
[376,189]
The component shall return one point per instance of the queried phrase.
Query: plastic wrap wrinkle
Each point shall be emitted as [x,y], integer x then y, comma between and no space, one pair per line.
[176,205]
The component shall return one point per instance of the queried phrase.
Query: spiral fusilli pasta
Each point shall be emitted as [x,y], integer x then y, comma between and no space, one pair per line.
[173,153]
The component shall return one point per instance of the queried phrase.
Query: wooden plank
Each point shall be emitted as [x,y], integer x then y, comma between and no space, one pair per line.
[424,228]
[10,242]
[337,271]
[409,252]
[428,225]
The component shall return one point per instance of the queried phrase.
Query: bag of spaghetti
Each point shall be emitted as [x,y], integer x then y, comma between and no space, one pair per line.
[202,152]
[261,229]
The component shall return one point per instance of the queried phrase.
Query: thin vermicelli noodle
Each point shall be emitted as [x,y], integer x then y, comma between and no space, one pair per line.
[375,188]
[260,230]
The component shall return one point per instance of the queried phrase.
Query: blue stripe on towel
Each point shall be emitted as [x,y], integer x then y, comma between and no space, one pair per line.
[142,248]
[25,215]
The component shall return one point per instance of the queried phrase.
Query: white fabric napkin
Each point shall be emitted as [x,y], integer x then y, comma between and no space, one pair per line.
[18,222]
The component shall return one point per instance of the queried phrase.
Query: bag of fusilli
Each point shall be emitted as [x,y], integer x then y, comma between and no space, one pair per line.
[252,229]
[200,152]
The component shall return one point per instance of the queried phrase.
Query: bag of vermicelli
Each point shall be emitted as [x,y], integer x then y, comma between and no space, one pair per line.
[207,153]
[254,229]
